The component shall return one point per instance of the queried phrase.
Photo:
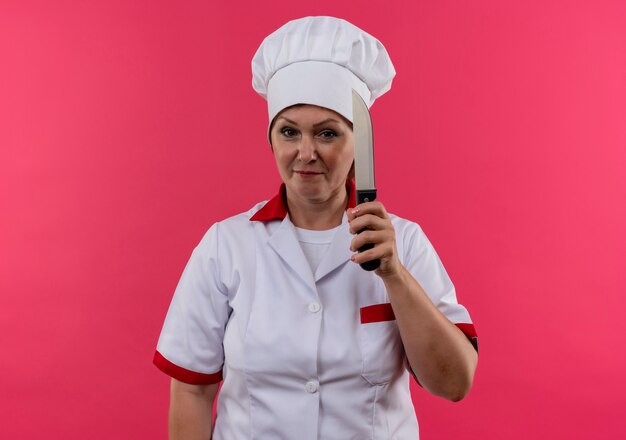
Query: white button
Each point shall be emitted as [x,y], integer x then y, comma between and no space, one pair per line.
[311,386]
[314,307]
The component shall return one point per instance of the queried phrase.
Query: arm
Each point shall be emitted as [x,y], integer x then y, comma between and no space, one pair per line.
[191,408]
[440,355]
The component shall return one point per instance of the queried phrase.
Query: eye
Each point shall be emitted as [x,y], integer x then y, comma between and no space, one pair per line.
[288,132]
[327,134]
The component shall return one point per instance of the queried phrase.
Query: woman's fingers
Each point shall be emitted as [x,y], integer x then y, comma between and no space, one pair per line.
[375,208]
[371,224]
[379,251]
[376,237]
[370,215]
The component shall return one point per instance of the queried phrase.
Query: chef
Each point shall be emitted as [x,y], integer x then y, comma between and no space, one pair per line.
[273,304]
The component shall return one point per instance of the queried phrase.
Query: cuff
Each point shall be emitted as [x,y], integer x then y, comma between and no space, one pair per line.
[470,332]
[184,375]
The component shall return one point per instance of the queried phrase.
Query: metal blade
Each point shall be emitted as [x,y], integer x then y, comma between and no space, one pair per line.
[363,163]
[363,145]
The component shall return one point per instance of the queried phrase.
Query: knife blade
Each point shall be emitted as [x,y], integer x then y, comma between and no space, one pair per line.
[363,162]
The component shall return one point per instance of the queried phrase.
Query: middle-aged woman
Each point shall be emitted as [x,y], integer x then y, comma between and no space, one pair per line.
[273,303]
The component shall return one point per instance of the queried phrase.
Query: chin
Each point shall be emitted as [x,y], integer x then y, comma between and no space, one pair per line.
[309,191]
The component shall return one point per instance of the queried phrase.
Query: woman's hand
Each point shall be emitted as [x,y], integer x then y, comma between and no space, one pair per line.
[373,220]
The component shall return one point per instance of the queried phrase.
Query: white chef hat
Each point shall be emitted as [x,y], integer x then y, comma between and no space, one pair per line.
[319,60]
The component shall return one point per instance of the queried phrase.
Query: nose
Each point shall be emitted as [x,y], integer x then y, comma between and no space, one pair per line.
[307,151]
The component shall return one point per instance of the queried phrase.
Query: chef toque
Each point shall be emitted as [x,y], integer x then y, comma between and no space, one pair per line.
[319,60]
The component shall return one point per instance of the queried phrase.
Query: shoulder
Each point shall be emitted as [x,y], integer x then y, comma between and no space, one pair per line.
[236,227]
[242,219]
[405,228]
[410,238]
[228,246]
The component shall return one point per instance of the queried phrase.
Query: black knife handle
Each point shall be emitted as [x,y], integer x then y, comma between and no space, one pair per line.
[371,264]
[362,197]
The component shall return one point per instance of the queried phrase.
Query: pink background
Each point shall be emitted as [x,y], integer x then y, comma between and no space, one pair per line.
[128,127]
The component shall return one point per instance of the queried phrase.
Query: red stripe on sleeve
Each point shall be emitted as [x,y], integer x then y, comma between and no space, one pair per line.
[470,332]
[467,329]
[184,375]
[377,313]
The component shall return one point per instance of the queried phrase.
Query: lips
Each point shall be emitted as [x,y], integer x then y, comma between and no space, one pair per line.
[307,173]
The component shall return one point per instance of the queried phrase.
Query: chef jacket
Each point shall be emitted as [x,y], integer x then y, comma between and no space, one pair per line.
[302,355]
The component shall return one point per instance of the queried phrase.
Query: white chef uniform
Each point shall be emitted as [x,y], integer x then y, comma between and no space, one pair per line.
[303,355]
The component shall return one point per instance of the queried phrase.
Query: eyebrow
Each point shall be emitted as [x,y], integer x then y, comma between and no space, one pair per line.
[325,121]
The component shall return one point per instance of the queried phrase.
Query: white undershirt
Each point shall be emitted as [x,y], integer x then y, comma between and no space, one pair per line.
[315,244]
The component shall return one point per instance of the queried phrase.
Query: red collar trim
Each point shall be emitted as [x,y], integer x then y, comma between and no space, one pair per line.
[276,208]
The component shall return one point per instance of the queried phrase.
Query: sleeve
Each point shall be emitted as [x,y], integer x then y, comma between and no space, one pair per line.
[190,347]
[424,264]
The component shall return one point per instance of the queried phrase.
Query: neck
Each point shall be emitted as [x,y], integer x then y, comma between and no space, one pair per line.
[317,215]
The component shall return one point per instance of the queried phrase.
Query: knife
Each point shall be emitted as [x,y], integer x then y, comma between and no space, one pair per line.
[363,162]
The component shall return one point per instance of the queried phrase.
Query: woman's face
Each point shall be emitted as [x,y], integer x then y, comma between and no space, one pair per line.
[314,151]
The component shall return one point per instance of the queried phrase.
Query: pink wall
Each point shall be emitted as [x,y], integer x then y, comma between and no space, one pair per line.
[127,128]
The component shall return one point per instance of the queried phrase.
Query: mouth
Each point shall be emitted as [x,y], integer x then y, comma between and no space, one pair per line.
[307,173]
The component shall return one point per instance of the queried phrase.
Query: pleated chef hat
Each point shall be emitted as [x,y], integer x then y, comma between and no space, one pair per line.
[319,60]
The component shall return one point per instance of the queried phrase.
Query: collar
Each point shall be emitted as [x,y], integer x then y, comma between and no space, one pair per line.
[276,208]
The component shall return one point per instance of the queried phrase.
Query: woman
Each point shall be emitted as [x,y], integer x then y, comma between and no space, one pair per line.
[273,303]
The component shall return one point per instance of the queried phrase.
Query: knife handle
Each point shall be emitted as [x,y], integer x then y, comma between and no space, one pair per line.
[372,264]
[365,195]
[361,197]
